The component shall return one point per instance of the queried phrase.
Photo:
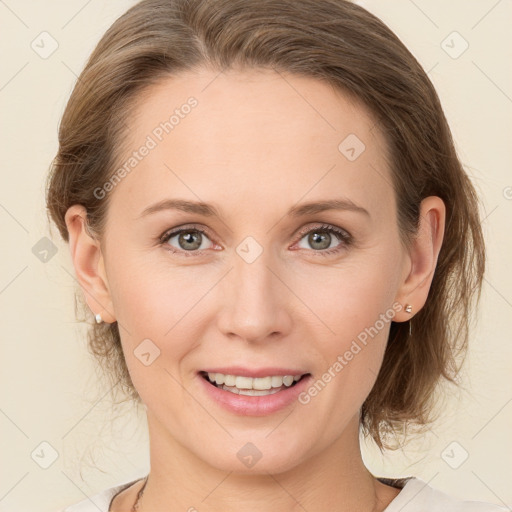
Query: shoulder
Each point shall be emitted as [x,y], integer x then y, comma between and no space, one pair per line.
[99,502]
[418,496]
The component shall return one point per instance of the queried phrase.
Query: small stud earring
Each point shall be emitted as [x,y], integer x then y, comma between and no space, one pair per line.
[408,308]
[98,318]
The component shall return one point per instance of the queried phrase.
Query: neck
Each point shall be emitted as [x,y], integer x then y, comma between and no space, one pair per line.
[333,479]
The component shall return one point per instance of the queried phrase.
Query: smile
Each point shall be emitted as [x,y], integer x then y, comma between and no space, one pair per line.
[251,386]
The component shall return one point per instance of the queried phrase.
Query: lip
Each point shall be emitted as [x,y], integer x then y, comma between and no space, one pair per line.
[251,372]
[245,405]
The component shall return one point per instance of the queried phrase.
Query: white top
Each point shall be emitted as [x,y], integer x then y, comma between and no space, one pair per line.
[415,496]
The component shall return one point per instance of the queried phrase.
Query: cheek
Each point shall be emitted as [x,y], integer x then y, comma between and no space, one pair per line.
[350,359]
[154,309]
[355,306]
[152,299]
[352,296]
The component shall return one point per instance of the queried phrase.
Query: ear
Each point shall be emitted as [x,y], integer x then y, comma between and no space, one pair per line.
[89,264]
[422,257]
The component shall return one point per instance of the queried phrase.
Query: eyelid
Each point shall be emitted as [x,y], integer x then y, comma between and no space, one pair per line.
[324,226]
[185,227]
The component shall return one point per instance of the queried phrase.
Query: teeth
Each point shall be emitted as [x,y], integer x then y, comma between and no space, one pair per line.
[237,382]
[217,377]
[229,380]
[276,381]
[252,392]
[262,383]
[288,380]
[243,382]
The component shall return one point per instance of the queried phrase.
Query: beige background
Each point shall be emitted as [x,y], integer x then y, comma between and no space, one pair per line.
[49,386]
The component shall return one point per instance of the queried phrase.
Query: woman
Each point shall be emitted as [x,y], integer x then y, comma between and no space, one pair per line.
[261,345]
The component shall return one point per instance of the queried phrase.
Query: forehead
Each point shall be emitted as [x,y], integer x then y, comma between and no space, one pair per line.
[257,136]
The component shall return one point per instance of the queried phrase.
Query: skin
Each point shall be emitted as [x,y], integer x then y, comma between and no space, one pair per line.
[257,142]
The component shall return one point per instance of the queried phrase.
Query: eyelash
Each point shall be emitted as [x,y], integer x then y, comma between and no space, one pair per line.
[343,235]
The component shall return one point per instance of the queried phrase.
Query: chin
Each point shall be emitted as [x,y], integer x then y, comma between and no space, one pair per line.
[257,454]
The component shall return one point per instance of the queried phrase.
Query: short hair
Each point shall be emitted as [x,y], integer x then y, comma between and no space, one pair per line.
[341,44]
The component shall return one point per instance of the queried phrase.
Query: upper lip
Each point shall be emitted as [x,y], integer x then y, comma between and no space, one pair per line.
[255,372]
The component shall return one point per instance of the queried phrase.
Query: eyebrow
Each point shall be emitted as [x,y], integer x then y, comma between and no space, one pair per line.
[208,210]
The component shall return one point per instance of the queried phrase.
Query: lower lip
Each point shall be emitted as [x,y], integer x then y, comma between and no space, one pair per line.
[254,405]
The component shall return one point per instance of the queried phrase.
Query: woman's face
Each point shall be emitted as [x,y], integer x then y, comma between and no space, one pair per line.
[257,286]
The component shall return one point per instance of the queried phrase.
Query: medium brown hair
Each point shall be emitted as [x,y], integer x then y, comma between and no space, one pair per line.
[341,44]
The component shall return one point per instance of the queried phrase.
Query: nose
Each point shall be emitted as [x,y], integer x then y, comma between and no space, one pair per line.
[255,301]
